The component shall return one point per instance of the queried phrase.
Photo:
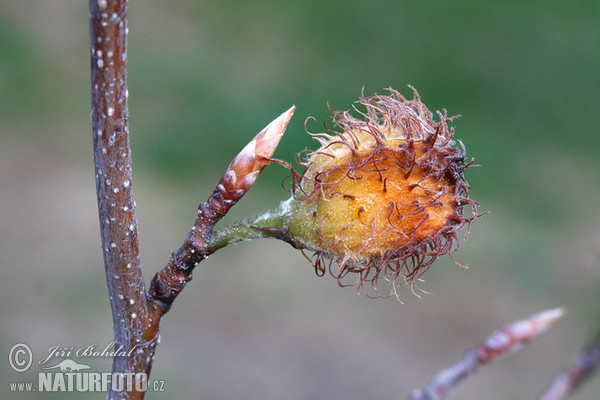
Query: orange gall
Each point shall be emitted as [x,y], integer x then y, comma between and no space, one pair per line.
[385,194]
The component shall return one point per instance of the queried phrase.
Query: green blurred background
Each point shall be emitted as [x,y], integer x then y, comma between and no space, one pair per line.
[256,323]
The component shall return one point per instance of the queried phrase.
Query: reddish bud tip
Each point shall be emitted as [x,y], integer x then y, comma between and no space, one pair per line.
[249,163]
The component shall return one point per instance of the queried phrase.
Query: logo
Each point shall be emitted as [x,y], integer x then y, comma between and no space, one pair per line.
[61,370]
[69,366]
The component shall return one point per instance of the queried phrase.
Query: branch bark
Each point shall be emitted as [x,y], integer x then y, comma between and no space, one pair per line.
[135,333]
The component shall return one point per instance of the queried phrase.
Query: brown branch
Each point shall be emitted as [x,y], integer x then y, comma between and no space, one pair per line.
[501,342]
[114,186]
[579,370]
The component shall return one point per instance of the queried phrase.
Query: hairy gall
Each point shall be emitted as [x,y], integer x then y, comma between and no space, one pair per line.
[384,195]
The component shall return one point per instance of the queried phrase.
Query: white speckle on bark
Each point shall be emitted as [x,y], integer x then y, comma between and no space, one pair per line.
[125,208]
[104,150]
[102,4]
[121,297]
[109,54]
[100,63]
[126,183]
[131,301]
[128,266]
[133,315]
[113,245]
[108,182]
[116,190]
[110,111]
[498,341]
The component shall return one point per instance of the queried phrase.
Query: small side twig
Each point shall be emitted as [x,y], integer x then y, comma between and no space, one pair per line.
[501,342]
[575,373]
[199,244]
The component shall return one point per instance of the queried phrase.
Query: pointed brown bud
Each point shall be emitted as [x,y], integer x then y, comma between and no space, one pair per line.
[248,164]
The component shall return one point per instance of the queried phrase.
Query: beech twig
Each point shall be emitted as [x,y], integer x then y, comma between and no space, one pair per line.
[501,342]
[239,177]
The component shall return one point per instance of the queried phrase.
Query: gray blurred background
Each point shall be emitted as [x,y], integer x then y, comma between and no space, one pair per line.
[256,323]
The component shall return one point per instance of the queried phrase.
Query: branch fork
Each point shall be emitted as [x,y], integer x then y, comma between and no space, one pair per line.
[137,314]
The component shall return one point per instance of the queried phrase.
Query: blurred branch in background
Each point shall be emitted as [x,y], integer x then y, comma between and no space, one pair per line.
[502,342]
[577,372]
